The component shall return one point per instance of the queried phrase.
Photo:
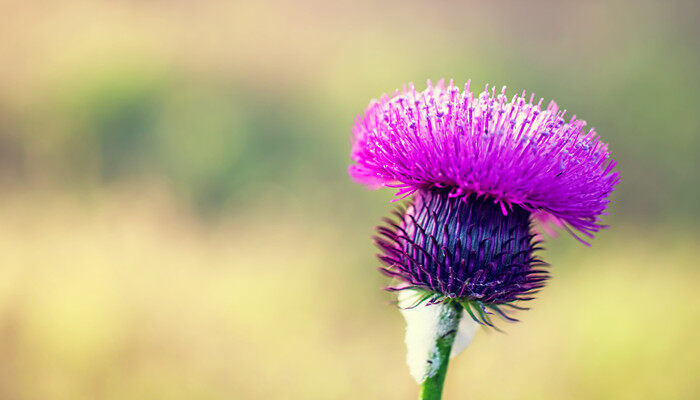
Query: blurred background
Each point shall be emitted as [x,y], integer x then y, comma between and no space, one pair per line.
[177,221]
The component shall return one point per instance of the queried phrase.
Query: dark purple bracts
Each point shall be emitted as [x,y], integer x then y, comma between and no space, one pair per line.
[463,248]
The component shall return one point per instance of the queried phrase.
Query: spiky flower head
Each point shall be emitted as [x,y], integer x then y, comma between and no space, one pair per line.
[480,170]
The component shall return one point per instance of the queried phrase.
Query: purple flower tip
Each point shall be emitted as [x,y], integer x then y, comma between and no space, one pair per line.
[512,152]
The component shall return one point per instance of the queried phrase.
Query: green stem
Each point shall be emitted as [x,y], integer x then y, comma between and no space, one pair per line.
[431,388]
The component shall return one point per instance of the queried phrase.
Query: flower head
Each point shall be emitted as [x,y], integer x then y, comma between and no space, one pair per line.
[480,169]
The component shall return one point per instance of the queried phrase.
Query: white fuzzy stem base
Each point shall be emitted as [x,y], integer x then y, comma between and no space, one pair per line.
[425,325]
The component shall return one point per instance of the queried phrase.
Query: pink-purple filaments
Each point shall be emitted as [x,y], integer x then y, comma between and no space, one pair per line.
[510,151]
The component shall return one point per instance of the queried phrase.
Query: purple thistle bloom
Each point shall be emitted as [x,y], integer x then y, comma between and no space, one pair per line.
[481,169]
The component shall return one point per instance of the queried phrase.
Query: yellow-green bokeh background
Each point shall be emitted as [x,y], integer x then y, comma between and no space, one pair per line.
[177,222]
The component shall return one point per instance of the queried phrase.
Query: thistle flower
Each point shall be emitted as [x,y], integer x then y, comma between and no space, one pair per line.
[482,171]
